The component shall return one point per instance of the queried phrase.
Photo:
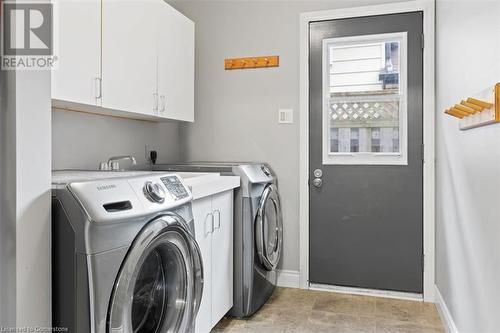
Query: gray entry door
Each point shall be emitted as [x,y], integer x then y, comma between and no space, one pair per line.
[366,152]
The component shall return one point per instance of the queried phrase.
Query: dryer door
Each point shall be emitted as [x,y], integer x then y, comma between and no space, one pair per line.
[159,286]
[269,228]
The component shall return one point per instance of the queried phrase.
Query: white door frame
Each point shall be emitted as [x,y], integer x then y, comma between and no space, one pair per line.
[428,9]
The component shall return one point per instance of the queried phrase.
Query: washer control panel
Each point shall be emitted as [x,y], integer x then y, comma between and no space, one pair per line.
[175,187]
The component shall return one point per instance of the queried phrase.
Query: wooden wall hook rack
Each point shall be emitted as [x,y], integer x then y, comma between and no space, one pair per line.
[251,62]
[475,112]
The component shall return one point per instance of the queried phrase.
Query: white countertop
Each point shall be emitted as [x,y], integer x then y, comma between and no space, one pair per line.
[200,184]
[205,184]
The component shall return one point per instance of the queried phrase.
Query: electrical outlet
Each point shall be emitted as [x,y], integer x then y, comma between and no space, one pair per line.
[285,116]
[147,151]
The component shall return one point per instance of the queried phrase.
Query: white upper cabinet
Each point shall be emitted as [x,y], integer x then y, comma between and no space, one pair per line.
[79,59]
[129,49]
[176,65]
[127,58]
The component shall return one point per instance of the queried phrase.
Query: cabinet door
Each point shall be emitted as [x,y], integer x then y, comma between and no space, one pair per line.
[202,209]
[79,59]
[222,254]
[129,55]
[176,65]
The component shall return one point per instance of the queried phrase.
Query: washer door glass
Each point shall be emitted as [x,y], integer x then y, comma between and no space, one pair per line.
[156,285]
[269,228]
[155,292]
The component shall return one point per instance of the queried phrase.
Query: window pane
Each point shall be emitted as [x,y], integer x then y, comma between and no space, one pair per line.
[365,100]
[364,68]
[364,126]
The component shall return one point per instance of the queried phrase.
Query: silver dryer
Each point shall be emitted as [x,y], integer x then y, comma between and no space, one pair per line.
[258,230]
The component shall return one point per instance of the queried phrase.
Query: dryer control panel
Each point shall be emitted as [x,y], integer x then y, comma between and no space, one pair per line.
[175,187]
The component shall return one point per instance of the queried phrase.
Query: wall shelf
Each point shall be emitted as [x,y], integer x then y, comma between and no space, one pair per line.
[481,110]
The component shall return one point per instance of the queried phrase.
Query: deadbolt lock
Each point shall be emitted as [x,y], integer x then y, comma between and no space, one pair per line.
[318,173]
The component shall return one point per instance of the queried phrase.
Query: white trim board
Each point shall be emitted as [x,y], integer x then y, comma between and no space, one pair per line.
[444,313]
[366,292]
[289,279]
[427,7]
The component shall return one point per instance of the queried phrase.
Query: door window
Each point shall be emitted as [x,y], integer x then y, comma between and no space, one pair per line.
[364,92]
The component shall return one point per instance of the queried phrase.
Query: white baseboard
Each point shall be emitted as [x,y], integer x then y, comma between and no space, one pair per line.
[444,313]
[290,279]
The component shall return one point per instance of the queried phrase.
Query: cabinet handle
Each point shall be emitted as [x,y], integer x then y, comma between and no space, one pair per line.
[155,101]
[97,87]
[163,103]
[205,229]
[217,212]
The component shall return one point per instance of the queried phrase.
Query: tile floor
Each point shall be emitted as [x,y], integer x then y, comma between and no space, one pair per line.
[298,310]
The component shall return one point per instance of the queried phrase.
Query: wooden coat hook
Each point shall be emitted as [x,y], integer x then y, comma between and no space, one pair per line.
[475,112]
[251,62]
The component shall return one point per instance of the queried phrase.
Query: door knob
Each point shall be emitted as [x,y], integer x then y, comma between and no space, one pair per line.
[318,173]
[317,182]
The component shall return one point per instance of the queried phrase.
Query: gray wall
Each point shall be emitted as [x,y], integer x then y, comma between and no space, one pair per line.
[468,167]
[236,111]
[81,140]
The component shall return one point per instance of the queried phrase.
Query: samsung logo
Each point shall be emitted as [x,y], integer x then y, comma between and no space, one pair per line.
[106,187]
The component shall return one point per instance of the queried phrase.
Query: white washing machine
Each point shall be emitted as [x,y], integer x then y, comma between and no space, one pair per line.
[124,254]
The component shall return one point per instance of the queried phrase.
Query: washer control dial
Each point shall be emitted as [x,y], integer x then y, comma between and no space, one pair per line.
[154,192]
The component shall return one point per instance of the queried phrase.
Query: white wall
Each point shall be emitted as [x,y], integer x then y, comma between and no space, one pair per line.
[81,140]
[25,286]
[7,199]
[468,167]
[237,111]
[33,165]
